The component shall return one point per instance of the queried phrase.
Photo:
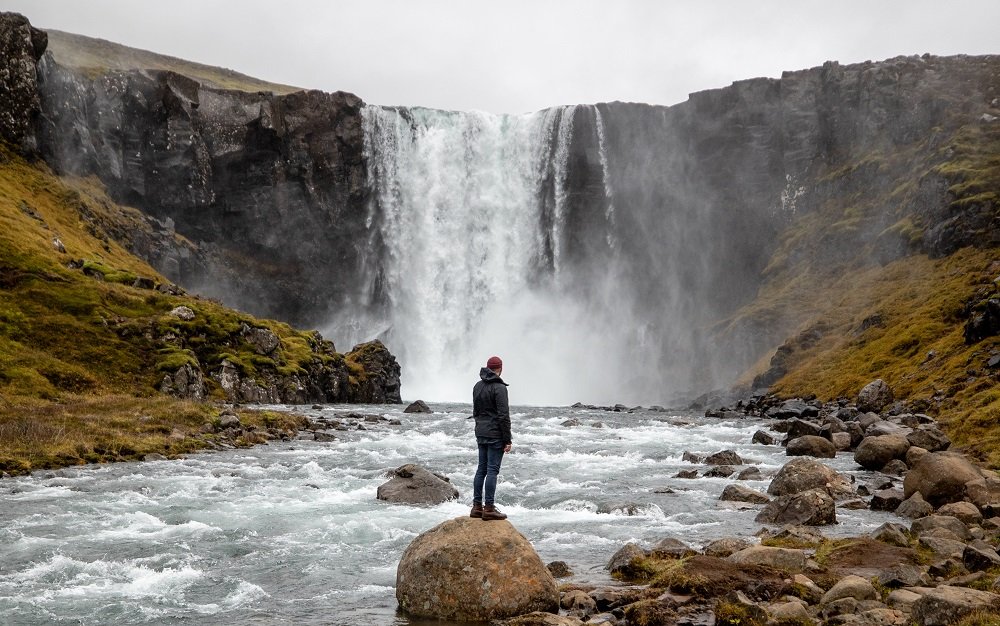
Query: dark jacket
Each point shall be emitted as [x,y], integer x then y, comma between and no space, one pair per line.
[490,408]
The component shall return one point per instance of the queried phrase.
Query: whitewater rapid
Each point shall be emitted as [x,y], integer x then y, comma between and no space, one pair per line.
[292,532]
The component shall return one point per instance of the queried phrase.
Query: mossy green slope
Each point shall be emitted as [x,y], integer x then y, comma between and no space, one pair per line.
[871,297]
[85,337]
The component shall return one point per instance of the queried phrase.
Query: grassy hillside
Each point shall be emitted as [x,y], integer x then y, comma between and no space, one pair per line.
[86,335]
[862,316]
[97,56]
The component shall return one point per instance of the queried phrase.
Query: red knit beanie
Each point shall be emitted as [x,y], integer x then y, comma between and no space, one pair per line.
[494,363]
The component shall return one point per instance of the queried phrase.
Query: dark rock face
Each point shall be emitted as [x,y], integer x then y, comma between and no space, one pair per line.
[379,383]
[412,484]
[21,46]
[242,174]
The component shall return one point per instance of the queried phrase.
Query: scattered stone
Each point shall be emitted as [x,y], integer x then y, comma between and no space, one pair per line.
[944,548]
[541,618]
[720,471]
[763,438]
[750,473]
[263,340]
[886,499]
[929,438]
[788,613]
[874,396]
[874,452]
[725,457]
[895,467]
[811,445]
[686,474]
[800,428]
[778,558]
[319,435]
[690,457]
[850,587]
[413,484]
[570,423]
[806,589]
[813,507]
[931,522]
[946,604]
[623,561]
[456,571]
[903,575]
[739,493]
[418,406]
[578,603]
[228,420]
[914,507]
[842,441]
[940,477]
[857,504]
[979,556]
[559,569]
[154,456]
[966,512]
[671,548]
[903,599]
[892,534]
[182,313]
[804,473]
[721,548]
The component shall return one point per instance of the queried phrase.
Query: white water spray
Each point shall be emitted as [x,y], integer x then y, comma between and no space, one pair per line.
[474,266]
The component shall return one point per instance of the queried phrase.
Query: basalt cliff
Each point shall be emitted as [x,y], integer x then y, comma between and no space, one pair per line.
[808,232]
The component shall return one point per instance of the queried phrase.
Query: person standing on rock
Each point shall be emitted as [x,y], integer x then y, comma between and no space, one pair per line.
[491,411]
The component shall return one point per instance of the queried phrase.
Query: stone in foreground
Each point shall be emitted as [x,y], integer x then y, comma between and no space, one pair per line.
[468,570]
[412,484]
[946,605]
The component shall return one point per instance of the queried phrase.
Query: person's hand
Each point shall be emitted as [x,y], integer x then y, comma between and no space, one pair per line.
[506,448]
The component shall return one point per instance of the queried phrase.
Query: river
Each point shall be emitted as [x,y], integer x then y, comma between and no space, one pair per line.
[291,532]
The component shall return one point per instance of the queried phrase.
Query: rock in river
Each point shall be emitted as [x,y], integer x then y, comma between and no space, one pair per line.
[466,569]
[412,484]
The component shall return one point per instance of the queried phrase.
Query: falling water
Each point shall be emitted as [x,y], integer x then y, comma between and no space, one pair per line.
[469,216]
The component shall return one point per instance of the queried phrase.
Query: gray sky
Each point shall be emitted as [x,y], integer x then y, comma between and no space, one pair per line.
[515,55]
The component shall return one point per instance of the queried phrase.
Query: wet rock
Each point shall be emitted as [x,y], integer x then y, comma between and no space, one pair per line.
[690,457]
[540,618]
[886,499]
[720,471]
[857,504]
[739,493]
[940,477]
[381,382]
[570,423]
[611,598]
[763,438]
[154,456]
[813,507]
[850,587]
[874,396]
[623,562]
[721,548]
[413,484]
[750,473]
[725,457]
[620,508]
[686,474]
[324,437]
[874,452]
[914,507]
[946,604]
[455,571]
[650,612]
[559,569]
[804,473]
[418,406]
[810,445]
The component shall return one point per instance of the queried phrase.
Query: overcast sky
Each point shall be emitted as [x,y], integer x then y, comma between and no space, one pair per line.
[509,56]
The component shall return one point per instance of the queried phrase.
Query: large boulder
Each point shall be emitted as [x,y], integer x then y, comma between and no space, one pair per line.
[811,445]
[874,452]
[778,558]
[813,507]
[946,605]
[850,586]
[874,396]
[466,569]
[803,473]
[380,383]
[940,477]
[739,493]
[725,457]
[929,437]
[412,484]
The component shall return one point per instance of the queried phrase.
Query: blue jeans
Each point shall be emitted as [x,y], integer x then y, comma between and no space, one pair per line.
[484,485]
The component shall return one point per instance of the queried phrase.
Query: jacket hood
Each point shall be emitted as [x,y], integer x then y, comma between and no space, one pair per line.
[490,376]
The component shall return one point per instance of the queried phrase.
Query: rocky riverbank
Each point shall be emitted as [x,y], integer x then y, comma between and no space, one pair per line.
[938,564]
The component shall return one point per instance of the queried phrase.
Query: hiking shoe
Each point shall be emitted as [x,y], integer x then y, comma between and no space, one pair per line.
[477,510]
[490,512]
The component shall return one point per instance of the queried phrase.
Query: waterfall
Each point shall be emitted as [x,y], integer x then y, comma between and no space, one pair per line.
[468,220]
